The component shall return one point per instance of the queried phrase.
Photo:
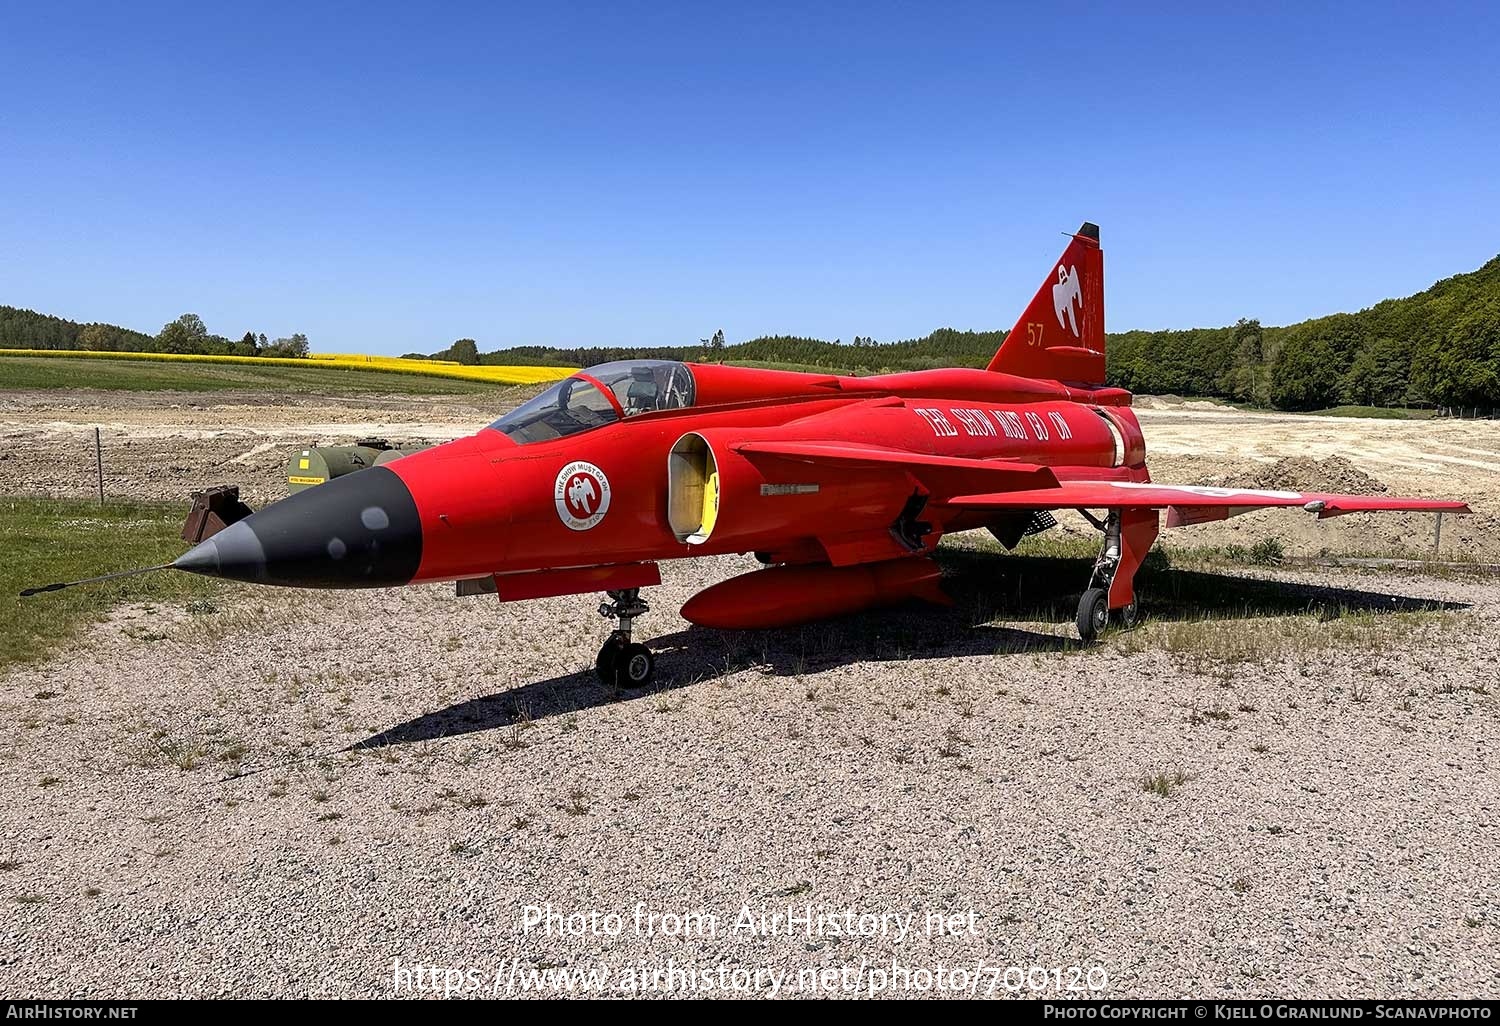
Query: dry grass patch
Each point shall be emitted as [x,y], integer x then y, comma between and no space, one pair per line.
[1163,783]
[1227,641]
[577,803]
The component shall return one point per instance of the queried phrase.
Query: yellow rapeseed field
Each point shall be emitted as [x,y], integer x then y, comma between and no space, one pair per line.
[500,375]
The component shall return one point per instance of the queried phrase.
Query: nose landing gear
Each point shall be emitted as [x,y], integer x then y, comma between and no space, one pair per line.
[1128,536]
[623,663]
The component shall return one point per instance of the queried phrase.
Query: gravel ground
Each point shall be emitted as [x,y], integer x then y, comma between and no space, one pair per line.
[287,798]
[282,793]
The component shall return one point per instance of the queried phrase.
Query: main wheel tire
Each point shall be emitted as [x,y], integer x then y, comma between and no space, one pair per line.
[1093,614]
[635,667]
[1129,616]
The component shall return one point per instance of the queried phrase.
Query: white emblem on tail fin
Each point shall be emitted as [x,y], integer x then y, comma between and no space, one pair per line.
[1064,294]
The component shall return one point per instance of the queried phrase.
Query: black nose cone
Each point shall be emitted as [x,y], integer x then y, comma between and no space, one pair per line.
[357,531]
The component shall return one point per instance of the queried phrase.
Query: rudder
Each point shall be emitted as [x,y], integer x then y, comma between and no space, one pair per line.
[1061,333]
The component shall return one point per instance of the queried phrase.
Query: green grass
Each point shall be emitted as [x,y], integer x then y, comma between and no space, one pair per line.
[34,372]
[1375,412]
[47,540]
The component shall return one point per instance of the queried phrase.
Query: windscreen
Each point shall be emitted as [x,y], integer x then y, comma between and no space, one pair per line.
[598,396]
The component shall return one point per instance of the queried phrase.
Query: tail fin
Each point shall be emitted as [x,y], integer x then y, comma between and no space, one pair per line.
[1061,334]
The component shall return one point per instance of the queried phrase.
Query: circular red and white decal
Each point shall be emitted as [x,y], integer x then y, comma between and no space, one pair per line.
[581,494]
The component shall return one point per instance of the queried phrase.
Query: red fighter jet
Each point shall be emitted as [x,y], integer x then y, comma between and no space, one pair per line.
[841,486]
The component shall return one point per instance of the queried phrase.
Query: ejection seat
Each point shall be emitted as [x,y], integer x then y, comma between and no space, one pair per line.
[640,397]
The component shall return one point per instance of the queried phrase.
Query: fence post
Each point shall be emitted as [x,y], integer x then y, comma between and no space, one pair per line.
[99,463]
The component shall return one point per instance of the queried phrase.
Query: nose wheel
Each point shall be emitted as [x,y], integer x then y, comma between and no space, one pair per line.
[623,663]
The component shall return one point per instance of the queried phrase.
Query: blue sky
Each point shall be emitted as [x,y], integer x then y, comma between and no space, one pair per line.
[390,177]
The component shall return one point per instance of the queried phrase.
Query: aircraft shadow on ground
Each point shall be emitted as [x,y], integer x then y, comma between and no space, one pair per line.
[984,587]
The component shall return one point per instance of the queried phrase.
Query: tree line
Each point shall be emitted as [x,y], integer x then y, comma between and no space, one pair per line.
[27,329]
[945,347]
[1438,348]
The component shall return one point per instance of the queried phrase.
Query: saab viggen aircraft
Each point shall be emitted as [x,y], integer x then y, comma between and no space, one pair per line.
[841,486]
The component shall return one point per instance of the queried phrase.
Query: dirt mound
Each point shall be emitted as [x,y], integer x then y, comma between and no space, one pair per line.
[1304,474]
[1169,401]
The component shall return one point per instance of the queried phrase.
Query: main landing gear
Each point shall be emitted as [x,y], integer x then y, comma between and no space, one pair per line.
[623,663]
[1128,535]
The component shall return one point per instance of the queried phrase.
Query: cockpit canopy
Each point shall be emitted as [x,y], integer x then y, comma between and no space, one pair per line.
[598,396]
